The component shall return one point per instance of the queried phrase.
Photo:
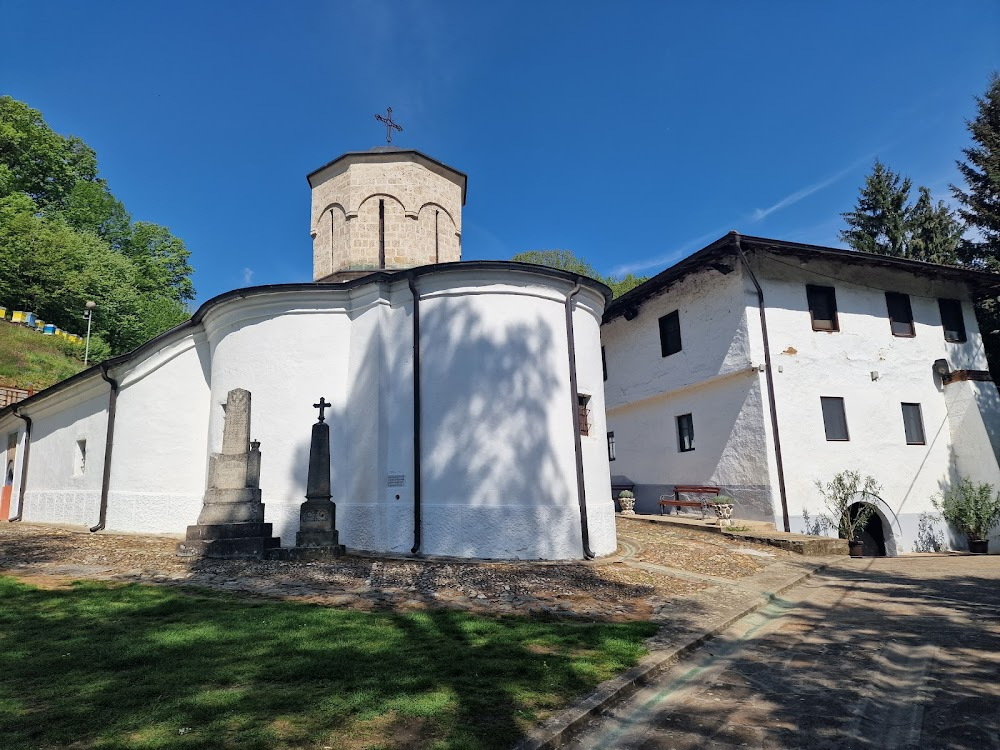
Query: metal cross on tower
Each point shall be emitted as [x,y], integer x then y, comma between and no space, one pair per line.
[322,406]
[389,124]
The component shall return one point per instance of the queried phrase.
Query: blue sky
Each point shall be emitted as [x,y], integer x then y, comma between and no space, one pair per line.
[630,133]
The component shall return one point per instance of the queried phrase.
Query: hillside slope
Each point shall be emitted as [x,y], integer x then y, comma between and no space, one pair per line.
[31,360]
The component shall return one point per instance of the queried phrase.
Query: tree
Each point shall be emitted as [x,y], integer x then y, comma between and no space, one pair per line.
[37,161]
[980,202]
[884,223]
[566,260]
[162,260]
[934,232]
[878,223]
[66,239]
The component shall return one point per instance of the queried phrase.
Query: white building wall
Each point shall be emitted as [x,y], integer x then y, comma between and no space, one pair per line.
[711,378]
[498,443]
[809,364]
[57,491]
[279,347]
[160,442]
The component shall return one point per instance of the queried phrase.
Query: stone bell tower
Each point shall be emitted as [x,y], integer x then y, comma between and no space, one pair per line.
[387,208]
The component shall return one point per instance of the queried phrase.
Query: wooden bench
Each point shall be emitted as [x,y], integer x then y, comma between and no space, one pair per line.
[690,489]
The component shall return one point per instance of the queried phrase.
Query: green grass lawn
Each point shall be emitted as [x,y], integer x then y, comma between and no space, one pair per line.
[29,358]
[101,665]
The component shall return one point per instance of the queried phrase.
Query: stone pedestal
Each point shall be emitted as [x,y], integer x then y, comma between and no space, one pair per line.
[231,522]
[317,537]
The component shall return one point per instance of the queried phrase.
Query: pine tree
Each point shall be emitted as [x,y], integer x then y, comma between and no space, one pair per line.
[980,204]
[934,232]
[879,221]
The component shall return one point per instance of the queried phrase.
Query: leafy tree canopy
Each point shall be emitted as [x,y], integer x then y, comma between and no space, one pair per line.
[65,239]
[566,260]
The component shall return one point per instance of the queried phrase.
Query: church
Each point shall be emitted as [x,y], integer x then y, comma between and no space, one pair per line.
[466,399]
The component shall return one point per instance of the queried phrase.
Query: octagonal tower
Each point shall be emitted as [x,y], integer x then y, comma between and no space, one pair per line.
[387,208]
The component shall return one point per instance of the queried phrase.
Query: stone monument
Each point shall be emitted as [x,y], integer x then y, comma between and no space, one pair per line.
[231,523]
[317,537]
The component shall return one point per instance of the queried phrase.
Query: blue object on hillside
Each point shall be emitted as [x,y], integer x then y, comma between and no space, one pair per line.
[50,329]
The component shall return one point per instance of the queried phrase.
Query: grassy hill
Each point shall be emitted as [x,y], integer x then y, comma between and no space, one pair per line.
[31,360]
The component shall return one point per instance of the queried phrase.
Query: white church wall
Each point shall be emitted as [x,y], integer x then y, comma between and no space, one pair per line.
[596,467]
[61,486]
[499,473]
[160,443]
[359,470]
[809,364]
[278,346]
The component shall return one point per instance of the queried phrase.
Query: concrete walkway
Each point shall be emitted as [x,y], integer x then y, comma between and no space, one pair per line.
[873,653]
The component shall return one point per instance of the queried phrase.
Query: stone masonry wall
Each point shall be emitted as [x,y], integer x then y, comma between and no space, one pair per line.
[345,217]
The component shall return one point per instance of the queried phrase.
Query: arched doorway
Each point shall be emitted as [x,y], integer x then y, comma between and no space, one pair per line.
[873,533]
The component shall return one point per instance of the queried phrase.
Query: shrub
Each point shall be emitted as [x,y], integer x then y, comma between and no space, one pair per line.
[99,349]
[839,494]
[971,507]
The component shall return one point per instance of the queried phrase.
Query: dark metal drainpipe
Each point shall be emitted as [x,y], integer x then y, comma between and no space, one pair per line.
[770,384]
[581,490]
[108,445]
[416,413]
[24,464]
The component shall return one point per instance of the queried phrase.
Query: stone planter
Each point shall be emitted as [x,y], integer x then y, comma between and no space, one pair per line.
[979,546]
[628,505]
[856,548]
[724,512]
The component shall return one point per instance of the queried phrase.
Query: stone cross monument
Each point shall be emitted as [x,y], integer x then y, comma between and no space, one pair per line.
[317,537]
[231,523]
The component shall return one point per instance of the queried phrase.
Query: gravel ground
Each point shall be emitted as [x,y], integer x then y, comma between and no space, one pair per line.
[698,552]
[607,589]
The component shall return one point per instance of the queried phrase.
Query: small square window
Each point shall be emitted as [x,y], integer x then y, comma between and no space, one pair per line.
[685,433]
[670,334]
[611,446]
[583,405]
[913,424]
[823,307]
[952,320]
[900,314]
[834,418]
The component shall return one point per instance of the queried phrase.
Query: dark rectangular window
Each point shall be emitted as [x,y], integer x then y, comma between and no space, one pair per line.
[611,446]
[583,404]
[900,314]
[670,334]
[604,363]
[834,418]
[952,320]
[685,433]
[823,307]
[913,424]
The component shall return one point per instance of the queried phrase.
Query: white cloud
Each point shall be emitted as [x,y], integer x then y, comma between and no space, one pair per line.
[760,214]
[663,261]
[247,276]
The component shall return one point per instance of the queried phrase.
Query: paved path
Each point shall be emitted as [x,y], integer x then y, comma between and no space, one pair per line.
[875,653]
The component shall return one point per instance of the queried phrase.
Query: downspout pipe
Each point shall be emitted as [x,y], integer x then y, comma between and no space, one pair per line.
[581,489]
[109,444]
[416,412]
[24,464]
[769,378]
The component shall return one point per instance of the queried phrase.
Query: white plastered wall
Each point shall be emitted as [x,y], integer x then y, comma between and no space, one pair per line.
[809,364]
[161,430]
[56,490]
[711,378]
